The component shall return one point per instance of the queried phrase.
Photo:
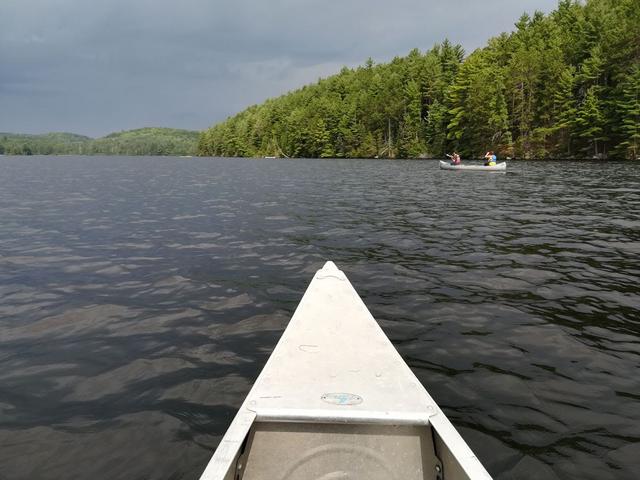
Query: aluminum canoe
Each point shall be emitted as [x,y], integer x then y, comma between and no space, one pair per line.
[497,168]
[336,401]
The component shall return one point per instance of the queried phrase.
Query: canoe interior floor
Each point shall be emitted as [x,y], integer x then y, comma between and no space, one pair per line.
[302,451]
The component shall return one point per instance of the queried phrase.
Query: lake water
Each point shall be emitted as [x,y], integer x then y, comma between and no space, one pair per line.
[140,298]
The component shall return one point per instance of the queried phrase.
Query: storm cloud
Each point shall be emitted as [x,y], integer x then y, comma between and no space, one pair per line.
[96,66]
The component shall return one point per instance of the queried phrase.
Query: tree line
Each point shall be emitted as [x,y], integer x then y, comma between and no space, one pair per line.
[562,85]
[143,141]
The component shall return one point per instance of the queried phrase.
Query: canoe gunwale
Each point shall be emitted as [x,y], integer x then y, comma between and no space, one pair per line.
[228,451]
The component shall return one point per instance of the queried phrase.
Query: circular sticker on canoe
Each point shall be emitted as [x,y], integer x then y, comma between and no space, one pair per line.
[342,398]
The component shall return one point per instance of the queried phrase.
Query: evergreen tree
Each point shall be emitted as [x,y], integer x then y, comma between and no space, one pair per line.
[410,143]
[629,110]
[321,146]
[590,120]
[566,111]
[436,131]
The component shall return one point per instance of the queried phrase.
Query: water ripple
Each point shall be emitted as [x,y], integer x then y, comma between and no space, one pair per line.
[142,296]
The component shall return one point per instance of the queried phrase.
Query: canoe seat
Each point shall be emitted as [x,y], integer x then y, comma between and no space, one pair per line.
[305,451]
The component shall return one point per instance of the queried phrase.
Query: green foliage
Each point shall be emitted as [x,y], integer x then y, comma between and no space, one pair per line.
[564,110]
[590,119]
[479,116]
[560,85]
[143,141]
[146,141]
[628,104]
[22,144]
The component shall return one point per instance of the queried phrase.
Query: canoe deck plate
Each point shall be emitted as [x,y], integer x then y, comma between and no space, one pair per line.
[342,398]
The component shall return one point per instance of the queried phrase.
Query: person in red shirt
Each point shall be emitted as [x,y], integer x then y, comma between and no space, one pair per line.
[455,158]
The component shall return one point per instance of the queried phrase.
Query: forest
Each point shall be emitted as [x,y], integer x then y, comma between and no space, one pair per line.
[561,85]
[142,141]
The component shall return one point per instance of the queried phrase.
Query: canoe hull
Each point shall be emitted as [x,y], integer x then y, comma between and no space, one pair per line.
[500,167]
[336,400]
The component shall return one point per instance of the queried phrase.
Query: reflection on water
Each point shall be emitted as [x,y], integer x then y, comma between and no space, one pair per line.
[141,297]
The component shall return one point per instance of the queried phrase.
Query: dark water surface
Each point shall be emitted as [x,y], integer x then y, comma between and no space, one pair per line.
[140,297]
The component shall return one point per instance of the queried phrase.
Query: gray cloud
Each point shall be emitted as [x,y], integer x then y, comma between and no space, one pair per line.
[98,66]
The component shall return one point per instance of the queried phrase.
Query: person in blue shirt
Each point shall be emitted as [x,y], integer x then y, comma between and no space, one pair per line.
[490,159]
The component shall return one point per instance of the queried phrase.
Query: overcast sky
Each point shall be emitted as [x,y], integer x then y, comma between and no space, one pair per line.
[97,66]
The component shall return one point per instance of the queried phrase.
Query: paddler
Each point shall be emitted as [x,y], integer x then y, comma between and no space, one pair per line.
[490,159]
[455,158]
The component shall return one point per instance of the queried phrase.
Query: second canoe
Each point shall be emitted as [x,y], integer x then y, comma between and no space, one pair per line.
[496,168]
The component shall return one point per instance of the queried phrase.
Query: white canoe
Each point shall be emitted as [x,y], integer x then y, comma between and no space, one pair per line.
[499,167]
[336,401]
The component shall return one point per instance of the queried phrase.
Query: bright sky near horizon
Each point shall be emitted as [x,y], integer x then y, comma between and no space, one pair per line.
[94,67]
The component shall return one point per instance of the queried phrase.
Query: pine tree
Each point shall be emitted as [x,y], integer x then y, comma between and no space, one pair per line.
[322,146]
[436,130]
[590,120]
[523,74]
[629,109]
[410,143]
[566,110]
[501,138]
[457,112]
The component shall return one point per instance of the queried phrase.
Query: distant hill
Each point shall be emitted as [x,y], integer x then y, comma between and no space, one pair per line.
[147,141]
[141,141]
[45,144]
